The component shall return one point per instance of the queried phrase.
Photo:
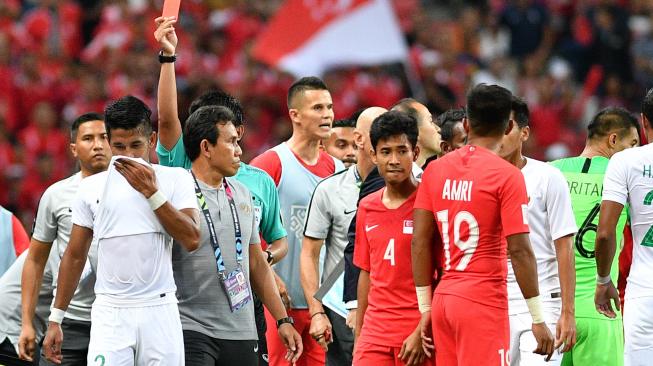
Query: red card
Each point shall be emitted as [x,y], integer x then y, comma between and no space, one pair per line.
[171,8]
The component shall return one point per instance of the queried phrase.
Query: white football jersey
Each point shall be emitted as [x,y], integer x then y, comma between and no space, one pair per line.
[629,180]
[550,217]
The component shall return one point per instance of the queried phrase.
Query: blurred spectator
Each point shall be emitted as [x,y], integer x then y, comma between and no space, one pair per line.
[494,39]
[527,82]
[7,153]
[547,116]
[613,92]
[43,137]
[36,182]
[612,40]
[528,22]
[54,28]
[499,72]
[642,50]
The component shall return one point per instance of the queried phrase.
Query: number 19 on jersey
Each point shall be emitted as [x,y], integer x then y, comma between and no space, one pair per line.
[466,246]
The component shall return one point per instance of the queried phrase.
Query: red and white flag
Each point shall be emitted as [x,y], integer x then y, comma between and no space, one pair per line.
[307,37]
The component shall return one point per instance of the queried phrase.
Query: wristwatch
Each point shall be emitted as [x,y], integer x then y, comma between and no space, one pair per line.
[166,59]
[288,320]
[270,256]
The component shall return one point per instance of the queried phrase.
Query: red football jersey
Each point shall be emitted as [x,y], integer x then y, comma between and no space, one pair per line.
[478,199]
[382,248]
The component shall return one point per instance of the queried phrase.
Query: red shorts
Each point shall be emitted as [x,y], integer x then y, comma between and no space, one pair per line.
[368,354]
[313,354]
[467,333]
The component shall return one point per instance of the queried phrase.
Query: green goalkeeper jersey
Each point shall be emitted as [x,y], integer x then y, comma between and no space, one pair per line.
[585,179]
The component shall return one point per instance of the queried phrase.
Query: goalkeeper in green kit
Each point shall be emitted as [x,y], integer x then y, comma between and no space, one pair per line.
[599,339]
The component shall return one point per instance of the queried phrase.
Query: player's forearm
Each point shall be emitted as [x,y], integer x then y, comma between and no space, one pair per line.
[169,124]
[525,267]
[70,270]
[308,275]
[362,292]
[423,269]
[606,236]
[605,247]
[566,272]
[279,249]
[31,279]
[263,283]
[422,247]
[182,225]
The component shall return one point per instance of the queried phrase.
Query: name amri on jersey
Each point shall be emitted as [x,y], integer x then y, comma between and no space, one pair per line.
[457,190]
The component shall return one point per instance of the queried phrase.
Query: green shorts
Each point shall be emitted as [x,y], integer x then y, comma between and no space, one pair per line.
[598,342]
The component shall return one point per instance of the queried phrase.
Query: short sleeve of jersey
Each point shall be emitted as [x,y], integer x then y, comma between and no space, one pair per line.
[271,226]
[615,181]
[45,223]
[184,193]
[254,239]
[562,221]
[82,213]
[270,162]
[514,204]
[424,199]
[361,245]
[318,220]
[173,158]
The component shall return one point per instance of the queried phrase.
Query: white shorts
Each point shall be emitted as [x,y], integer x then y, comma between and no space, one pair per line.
[638,331]
[523,343]
[131,336]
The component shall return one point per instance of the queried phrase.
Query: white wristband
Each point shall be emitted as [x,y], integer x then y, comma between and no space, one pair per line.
[603,280]
[351,305]
[56,315]
[535,308]
[156,200]
[424,294]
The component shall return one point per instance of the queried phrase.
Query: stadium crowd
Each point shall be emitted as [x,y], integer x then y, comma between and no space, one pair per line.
[60,58]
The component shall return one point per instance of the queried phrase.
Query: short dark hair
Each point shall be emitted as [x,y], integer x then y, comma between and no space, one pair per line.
[520,110]
[343,123]
[647,105]
[202,125]
[488,109]
[612,119]
[354,116]
[451,115]
[448,120]
[406,106]
[219,98]
[394,123]
[86,117]
[128,113]
[304,84]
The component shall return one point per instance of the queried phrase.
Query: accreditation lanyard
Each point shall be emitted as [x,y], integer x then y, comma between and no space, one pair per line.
[357,175]
[209,221]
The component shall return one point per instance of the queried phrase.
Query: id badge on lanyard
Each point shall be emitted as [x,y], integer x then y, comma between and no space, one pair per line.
[234,283]
[237,289]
